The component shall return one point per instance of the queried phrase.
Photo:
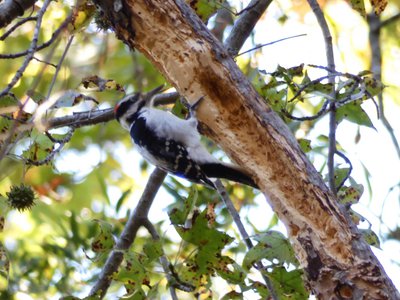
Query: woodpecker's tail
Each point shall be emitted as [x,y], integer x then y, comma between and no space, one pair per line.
[227,171]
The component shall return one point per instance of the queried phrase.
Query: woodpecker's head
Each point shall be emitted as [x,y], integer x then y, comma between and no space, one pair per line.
[130,105]
[127,107]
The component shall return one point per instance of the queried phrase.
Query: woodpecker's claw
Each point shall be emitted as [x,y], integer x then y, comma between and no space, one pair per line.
[192,107]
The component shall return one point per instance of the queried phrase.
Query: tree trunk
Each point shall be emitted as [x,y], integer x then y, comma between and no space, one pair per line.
[337,261]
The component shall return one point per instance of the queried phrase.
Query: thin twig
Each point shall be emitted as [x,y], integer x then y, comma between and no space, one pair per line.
[128,234]
[271,43]
[15,26]
[53,81]
[320,113]
[54,36]
[31,51]
[347,160]
[236,218]
[332,107]
[389,20]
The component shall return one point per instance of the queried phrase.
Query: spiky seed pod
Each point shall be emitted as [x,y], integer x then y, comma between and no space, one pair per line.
[21,197]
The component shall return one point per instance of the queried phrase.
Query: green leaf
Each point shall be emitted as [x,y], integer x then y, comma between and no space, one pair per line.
[235,274]
[288,284]
[305,145]
[359,6]
[40,147]
[133,275]
[74,229]
[179,216]
[8,101]
[209,242]
[353,112]
[153,250]
[122,199]
[350,194]
[103,187]
[232,295]
[340,175]
[205,8]
[260,288]
[373,86]
[104,241]
[271,245]
[274,221]
[371,237]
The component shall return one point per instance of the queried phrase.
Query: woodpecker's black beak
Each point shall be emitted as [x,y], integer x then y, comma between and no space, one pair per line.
[153,92]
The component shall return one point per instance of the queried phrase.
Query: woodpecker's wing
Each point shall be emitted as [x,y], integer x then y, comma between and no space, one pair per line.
[167,154]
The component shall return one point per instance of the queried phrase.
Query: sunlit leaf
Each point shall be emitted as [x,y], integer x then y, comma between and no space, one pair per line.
[259,288]
[371,237]
[153,250]
[272,245]
[354,113]
[373,86]
[99,84]
[179,216]
[340,175]
[229,270]
[379,5]
[71,98]
[305,145]
[40,147]
[205,8]
[103,186]
[356,217]
[104,241]
[288,284]
[359,6]
[83,16]
[232,295]
[349,195]
[121,199]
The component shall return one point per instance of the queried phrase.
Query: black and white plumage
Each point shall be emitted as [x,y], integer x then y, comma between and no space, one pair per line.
[173,144]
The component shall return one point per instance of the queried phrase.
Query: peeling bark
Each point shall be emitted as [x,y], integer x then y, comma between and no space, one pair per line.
[337,261]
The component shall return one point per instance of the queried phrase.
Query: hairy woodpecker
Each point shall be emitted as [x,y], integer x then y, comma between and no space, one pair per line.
[173,144]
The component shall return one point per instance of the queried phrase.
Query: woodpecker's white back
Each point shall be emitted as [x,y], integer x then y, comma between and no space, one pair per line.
[173,144]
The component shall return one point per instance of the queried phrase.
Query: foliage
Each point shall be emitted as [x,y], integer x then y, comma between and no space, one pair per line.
[85,190]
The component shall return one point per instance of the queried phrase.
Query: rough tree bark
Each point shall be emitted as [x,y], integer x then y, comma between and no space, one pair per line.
[337,261]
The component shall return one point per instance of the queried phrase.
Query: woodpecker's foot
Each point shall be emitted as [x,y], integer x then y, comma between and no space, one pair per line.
[192,107]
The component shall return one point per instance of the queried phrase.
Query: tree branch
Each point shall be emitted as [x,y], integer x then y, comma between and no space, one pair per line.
[11,9]
[245,25]
[375,26]
[128,235]
[331,79]
[245,236]
[15,26]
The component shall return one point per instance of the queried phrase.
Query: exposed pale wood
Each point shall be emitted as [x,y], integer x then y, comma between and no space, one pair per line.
[335,258]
